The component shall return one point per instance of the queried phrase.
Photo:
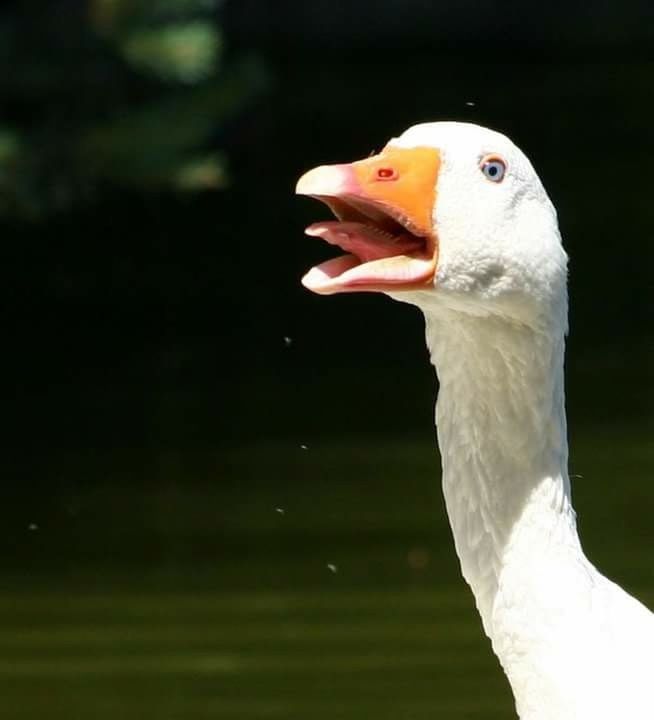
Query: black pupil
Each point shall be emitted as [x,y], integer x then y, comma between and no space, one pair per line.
[493,170]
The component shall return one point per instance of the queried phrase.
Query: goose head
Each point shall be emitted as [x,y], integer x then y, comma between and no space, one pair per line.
[446,214]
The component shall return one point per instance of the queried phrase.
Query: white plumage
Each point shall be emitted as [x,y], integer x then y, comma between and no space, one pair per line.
[573,644]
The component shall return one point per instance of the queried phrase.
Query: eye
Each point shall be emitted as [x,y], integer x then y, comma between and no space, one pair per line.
[493,168]
[386,173]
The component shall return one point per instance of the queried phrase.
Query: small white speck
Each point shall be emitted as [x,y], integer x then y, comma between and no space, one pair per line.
[332,568]
[288,341]
[32,526]
[304,447]
[469,103]
[281,511]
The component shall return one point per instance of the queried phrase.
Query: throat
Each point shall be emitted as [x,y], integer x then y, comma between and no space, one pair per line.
[502,435]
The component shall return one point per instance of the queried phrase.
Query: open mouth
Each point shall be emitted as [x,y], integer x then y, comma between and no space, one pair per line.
[383,251]
[384,221]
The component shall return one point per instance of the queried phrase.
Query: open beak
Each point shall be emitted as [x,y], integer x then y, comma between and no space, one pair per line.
[384,207]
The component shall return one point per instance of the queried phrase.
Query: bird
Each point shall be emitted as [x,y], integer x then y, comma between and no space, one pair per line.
[452,218]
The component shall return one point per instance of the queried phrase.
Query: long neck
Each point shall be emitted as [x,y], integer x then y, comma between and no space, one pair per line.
[502,436]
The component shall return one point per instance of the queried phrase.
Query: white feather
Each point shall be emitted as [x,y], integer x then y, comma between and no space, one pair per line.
[574,645]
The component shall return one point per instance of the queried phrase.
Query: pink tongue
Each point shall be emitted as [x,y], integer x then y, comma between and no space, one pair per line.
[364,241]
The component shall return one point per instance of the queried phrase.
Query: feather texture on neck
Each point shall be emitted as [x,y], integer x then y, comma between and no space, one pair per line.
[502,434]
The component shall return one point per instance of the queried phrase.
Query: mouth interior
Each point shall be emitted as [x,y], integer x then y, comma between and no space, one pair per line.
[382,248]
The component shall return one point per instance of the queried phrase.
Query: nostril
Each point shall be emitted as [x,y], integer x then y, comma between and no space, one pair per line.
[386,173]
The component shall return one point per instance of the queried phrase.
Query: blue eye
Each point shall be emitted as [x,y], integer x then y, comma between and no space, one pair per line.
[493,168]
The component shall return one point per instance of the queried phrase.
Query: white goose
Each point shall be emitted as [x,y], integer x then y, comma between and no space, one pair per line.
[453,218]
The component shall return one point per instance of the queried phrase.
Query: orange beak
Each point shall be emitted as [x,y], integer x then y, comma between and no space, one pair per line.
[385,208]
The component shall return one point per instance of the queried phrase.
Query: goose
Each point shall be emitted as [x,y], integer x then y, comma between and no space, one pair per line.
[452,218]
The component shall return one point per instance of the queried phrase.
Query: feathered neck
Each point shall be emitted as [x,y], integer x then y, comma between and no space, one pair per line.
[502,435]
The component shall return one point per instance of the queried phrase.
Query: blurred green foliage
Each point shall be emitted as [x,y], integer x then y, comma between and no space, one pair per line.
[129,93]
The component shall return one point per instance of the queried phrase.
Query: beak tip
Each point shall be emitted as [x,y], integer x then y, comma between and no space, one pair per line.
[326,180]
[311,181]
[300,187]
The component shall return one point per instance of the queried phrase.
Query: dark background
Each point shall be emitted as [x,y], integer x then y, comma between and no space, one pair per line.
[136,292]
[171,388]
